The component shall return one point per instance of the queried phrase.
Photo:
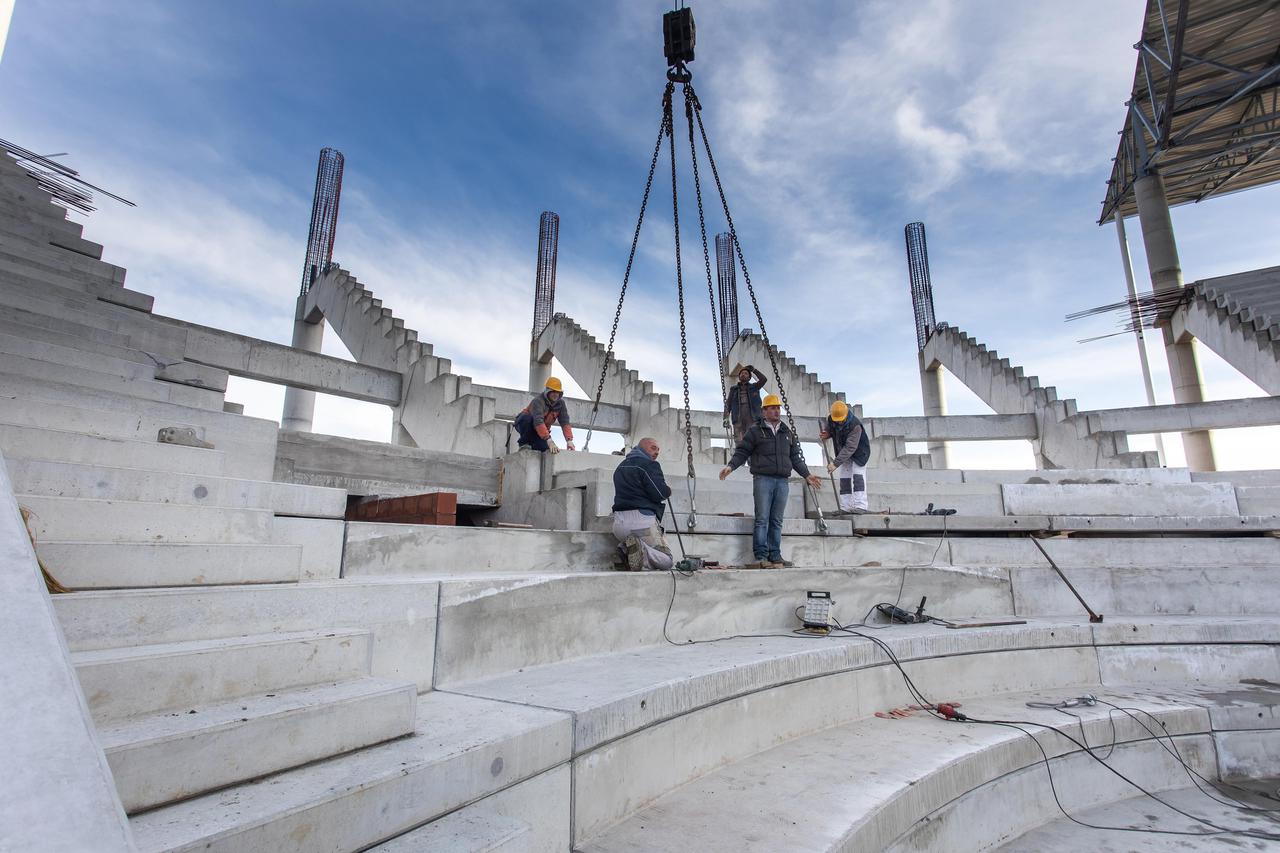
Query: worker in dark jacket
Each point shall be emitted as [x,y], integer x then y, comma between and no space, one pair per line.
[534,423]
[852,452]
[773,452]
[639,491]
[742,405]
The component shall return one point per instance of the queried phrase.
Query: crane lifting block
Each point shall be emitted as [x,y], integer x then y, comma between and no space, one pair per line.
[678,36]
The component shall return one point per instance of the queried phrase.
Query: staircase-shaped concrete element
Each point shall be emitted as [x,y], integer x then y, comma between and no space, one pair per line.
[1065,440]
[652,413]
[438,410]
[1238,317]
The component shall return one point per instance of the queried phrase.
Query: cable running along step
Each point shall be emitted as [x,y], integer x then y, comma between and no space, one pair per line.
[678,33]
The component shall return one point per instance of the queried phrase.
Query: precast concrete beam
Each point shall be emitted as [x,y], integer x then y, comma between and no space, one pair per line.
[957,427]
[1180,417]
[265,361]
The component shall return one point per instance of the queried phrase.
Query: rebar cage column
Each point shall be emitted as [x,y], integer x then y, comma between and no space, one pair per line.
[544,297]
[727,273]
[932,391]
[300,405]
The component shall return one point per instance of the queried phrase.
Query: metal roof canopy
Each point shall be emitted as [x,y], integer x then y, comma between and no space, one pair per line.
[1205,108]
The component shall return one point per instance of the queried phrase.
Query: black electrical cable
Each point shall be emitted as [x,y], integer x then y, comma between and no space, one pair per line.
[931,707]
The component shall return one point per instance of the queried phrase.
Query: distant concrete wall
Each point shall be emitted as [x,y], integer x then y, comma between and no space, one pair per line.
[57,792]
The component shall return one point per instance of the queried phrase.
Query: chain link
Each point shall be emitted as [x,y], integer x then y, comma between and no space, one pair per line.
[684,338]
[663,129]
[691,103]
[746,276]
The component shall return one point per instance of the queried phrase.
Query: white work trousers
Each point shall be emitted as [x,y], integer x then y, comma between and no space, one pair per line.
[852,482]
[633,522]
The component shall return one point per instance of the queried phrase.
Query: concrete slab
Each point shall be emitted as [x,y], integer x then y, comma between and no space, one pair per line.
[164,757]
[125,682]
[122,565]
[630,609]
[464,750]
[42,443]
[74,519]
[74,480]
[401,614]
[1198,499]
[529,817]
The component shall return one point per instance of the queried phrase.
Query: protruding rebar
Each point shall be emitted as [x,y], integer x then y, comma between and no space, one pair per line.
[921,286]
[544,291]
[324,216]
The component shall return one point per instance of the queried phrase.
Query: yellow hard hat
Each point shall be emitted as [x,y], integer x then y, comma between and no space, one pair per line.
[553,384]
[839,411]
[772,400]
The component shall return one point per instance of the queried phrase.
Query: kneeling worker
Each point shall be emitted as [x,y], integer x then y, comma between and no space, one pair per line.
[534,423]
[774,452]
[853,451]
[638,494]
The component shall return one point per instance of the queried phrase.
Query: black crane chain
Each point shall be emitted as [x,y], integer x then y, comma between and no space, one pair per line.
[691,103]
[684,344]
[663,129]
[746,276]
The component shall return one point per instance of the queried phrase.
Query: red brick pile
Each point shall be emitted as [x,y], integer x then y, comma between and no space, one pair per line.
[433,508]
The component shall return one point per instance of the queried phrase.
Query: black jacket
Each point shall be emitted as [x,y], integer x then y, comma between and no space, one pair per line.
[770,455]
[638,484]
[850,440]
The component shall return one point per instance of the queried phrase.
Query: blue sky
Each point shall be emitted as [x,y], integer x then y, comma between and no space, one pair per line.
[834,125]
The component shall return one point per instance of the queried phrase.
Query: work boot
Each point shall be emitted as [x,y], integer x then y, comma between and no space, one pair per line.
[761,563]
[780,563]
[635,554]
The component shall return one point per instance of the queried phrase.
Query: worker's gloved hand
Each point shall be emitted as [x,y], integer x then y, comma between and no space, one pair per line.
[813,480]
[725,472]
[570,446]
[726,423]
[551,447]
[822,434]
[831,467]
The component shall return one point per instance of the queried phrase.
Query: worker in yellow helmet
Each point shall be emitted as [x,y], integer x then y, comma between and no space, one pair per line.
[852,452]
[534,423]
[774,452]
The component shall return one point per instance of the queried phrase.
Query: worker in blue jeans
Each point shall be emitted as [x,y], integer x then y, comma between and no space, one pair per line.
[773,452]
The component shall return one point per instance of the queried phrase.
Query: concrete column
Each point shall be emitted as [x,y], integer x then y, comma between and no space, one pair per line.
[934,395]
[1166,274]
[300,405]
[1147,385]
[539,371]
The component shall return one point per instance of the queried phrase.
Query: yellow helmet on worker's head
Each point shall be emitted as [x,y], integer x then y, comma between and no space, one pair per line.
[772,400]
[553,384]
[839,411]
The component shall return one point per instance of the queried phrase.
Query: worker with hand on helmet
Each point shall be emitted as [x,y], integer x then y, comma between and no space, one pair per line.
[852,452]
[534,423]
[774,452]
[742,405]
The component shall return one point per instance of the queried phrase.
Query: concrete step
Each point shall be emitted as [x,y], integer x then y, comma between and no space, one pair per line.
[464,750]
[399,613]
[18,272]
[31,348]
[128,682]
[474,829]
[1258,500]
[27,442]
[76,519]
[71,265]
[71,480]
[75,341]
[758,801]
[64,303]
[248,444]
[1186,499]
[161,758]
[145,389]
[122,565]
[30,320]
